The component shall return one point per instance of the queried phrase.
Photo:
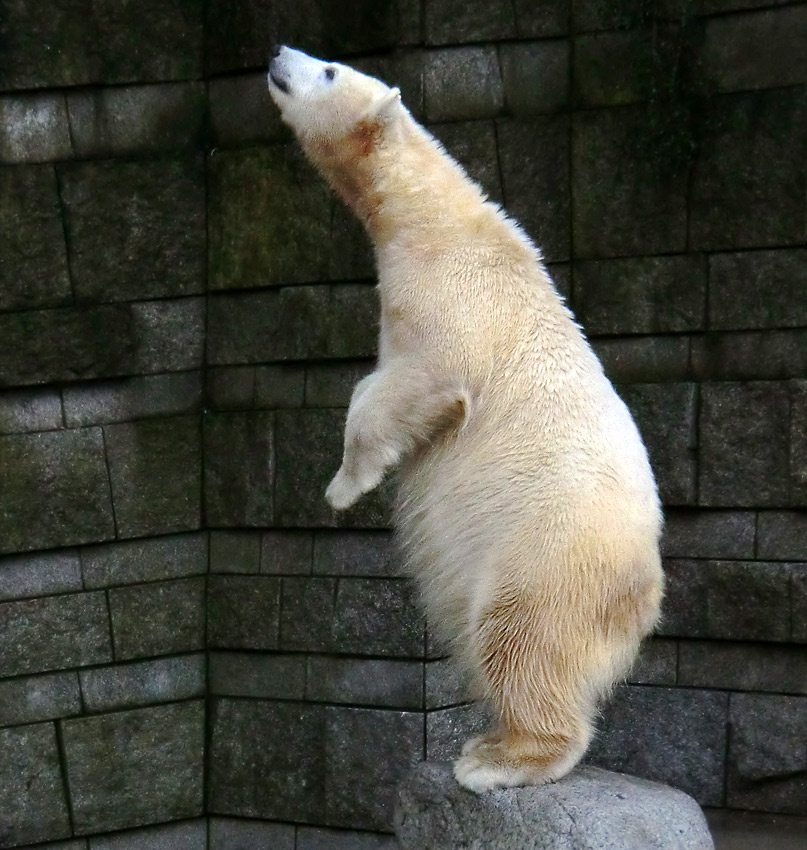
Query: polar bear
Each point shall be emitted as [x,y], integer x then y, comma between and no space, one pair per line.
[527,508]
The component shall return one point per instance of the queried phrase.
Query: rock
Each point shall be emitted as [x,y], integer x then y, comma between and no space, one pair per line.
[590,808]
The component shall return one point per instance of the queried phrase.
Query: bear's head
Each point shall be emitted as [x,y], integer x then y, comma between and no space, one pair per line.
[325,102]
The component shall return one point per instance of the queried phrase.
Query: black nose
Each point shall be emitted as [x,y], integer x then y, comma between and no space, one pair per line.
[276,48]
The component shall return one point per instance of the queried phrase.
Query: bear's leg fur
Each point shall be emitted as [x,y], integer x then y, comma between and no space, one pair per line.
[392,411]
[537,684]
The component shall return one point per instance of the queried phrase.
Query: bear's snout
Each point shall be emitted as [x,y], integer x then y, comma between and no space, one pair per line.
[277,73]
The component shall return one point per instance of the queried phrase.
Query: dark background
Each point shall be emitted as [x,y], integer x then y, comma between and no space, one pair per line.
[186,632]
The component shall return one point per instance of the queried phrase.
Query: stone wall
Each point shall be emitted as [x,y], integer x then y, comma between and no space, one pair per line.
[188,636]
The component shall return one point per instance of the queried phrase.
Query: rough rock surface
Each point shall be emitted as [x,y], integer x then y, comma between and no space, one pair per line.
[591,809]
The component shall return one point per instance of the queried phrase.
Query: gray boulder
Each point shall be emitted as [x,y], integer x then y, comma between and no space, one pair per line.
[591,809]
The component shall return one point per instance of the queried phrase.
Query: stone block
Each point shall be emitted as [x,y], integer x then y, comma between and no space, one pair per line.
[473,145]
[286,552]
[34,806]
[798,443]
[356,553]
[605,15]
[588,808]
[630,360]
[456,22]
[782,534]
[239,468]
[446,684]
[308,451]
[96,342]
[39,575]
[379,682]
[293,323]
[34,128]
[280,385]
[748,180]
[23,411]
[561,276]
[232,834]
[132,398]
[243,612]
[403,69]
[351,615]
[767,753]
[251,674]
[462,83]
[332,384]
[54,633]
[55,490]
[684,745]
[709,534]
[135,229]
[230,387]
[235,551]
[449,728]
[314,838]
[535,76]
[158,619]
[666,416]
[757,50]
[276,749]
[79,42]
[242,111]
[132,768]
[642,295]
[237,33]
[657,663]
[758,289]
[629,197]
[710,7]
[743,458]
[143,683]
[135,120]
[33,699]
[730,600]
[735,666]
[367,753]
[33,269]
[269,219]
[156,475]
[542,18]
[350,253]
[534,157]
[799,603]
[749,355]
[188,835]
[134,561]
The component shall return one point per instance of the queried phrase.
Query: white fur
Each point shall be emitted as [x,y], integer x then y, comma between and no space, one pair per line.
[527,508]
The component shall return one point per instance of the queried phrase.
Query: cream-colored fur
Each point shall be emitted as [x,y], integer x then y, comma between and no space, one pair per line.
[527,508]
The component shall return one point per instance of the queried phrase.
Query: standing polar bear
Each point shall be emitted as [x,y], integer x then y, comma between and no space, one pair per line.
[527,508]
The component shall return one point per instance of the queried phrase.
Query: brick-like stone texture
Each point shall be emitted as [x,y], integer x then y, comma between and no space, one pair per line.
[743,457]
[457,21]
[252,674]
[242,111]
[665,414]
[749,178]
[187,835]
[628,198]
[24,411]
[534,156]
[798,443]
[473,145]
[155,467]
[136,561]
[287,552]
[356,553]
[75,507]
[133,768]
[158,619]
[243,612]
[709,534]
[631,360]
[445,684]
[332,384]
[234,834]
[32,699]
[143,683]
[39,574]
[239,468]
[312,838]
[799,603]
[782,534]
[351,615]
[767,753]
[643,295]
[657,663]
[80,42]
[535,76]
[280,385]
[372,682]
[683,745]
[34,807]
[235,552]
[730,600]
[135,229]
[34,128]
[462,83]
[749,355]
[33,257]
[449,728]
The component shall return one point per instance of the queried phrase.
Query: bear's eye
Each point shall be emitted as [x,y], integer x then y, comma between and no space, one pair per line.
[330,72]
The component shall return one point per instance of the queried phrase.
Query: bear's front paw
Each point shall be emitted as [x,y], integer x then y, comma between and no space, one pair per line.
[342,492]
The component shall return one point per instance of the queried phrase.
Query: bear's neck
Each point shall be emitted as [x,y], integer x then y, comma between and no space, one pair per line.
[398,181]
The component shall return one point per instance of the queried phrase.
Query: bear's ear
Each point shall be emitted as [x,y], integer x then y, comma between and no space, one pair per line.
[384,107]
